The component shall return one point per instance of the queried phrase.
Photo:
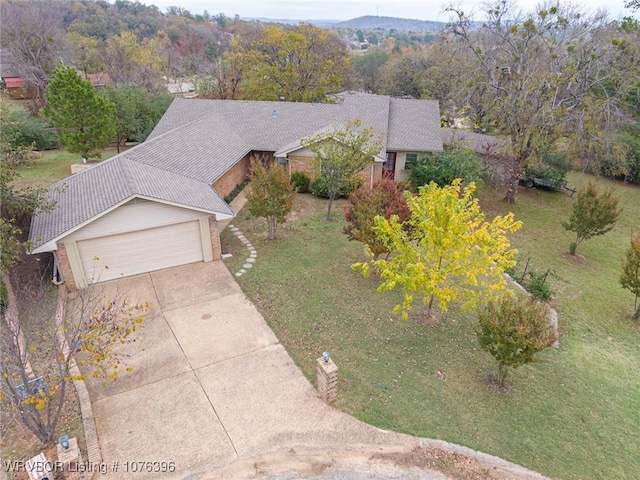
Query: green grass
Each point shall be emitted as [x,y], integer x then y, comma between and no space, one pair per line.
[575,415]
[50,166]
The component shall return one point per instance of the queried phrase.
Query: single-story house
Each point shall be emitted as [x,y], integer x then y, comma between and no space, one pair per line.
[98,80]
[158,204]
[19,88]
[184,89]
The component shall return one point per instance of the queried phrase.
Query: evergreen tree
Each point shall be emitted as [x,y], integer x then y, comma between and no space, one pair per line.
[84,118]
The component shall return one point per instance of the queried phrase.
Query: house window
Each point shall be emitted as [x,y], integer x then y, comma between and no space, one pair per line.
[410,160]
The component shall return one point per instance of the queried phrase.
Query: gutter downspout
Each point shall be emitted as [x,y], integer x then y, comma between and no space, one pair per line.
[373,166]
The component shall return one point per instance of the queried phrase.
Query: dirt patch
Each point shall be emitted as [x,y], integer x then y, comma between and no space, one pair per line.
[576,259]
[304,206]
[451,464]
[494,384]
[420,317]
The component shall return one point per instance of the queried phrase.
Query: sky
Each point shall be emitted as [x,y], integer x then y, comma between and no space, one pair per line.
[347,9]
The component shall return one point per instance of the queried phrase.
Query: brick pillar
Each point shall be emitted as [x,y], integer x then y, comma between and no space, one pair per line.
[70,459]
[327,380]
[215,238]
[65,268]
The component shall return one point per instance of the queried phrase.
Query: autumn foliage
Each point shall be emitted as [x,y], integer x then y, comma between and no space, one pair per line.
[386,198]
[630,278]
[271,195]
[513,330]
[445,252]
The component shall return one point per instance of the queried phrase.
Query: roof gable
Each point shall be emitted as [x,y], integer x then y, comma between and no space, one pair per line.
[87,195]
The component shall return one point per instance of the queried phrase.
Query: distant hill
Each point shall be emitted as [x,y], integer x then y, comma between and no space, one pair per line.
[286,21]
[387,23]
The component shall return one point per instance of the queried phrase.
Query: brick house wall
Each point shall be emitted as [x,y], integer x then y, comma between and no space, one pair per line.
[65,267]
[303,164]
[215,238]
[238,173]
[298,163]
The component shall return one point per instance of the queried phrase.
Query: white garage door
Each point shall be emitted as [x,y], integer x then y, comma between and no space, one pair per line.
[141,251]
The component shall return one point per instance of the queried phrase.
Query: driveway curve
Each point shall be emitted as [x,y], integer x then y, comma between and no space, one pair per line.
[212,390]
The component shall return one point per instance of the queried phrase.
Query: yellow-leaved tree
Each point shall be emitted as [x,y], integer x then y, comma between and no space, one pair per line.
[445,252]
[39,353]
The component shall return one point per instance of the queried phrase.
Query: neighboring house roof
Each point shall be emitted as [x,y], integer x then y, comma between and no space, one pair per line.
[15,82]
[197,141]
[100,79]
[180,87]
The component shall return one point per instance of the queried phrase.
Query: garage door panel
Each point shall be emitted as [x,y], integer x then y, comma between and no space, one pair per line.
[141,251]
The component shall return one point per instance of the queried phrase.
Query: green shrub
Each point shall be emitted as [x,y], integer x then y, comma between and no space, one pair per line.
[536,284]
[3,296]
[532,281]
[445,167]
[301,181]
[319,188]
[234,193]
[552,167]
[632,141]
[511,271]
[20,129]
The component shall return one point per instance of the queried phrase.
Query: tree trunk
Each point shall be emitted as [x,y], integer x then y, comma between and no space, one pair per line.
[512,190]
[331,197]
[272,223]
[574,245]
[514,173]
[502,374]
[13,320]
[430,306]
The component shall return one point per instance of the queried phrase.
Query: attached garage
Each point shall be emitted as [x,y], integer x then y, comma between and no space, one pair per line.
[136,237]
[115,256]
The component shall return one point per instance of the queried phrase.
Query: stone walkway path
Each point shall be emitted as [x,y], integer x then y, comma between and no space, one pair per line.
[253,254]
[236,205]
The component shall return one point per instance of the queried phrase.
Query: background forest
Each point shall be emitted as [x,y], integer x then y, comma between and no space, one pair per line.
[552,80]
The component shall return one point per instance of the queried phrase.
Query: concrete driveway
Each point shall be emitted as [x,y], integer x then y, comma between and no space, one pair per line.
[210,385]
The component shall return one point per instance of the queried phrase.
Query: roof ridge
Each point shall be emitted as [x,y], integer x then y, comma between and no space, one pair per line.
[156,167]
[179,127]
[128,176]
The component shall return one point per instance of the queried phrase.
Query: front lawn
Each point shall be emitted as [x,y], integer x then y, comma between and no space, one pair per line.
[50,166]
[573,416]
